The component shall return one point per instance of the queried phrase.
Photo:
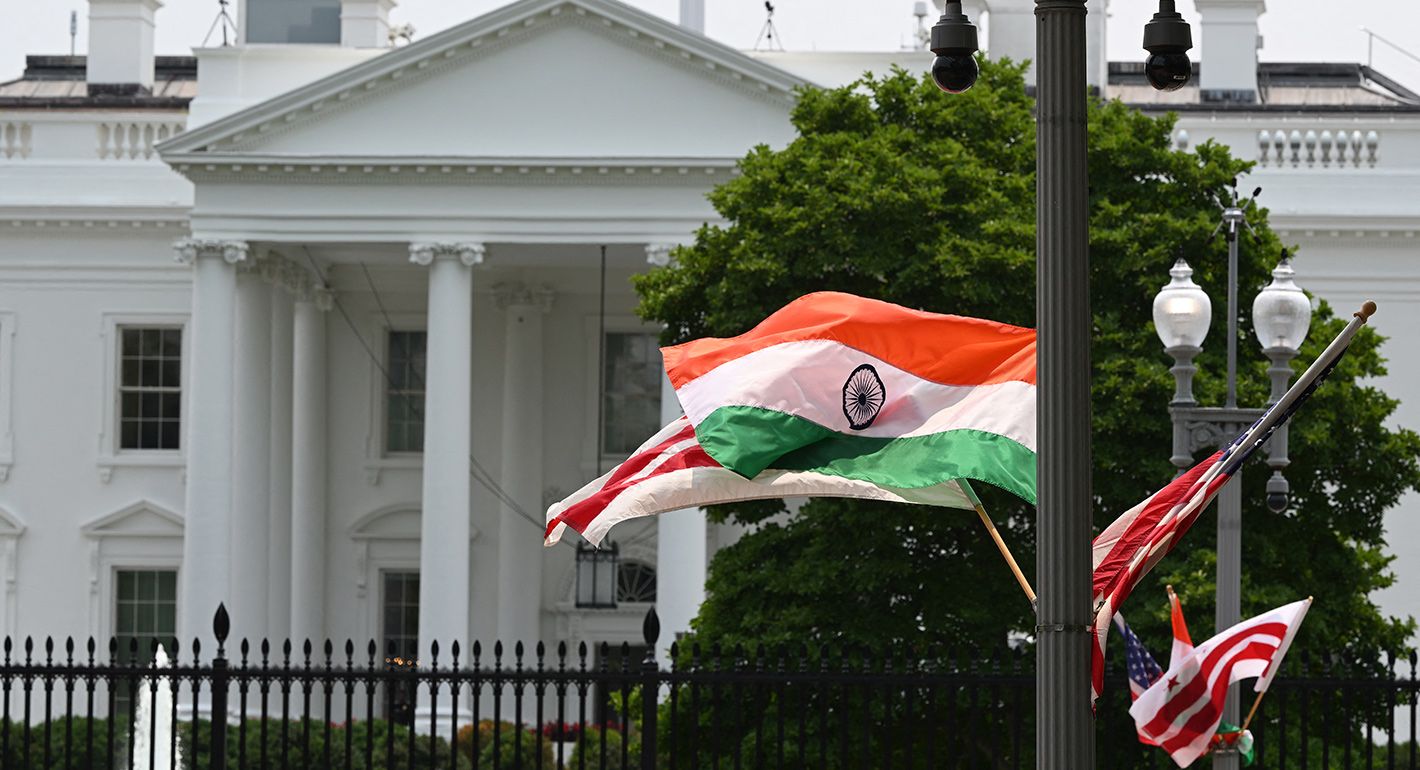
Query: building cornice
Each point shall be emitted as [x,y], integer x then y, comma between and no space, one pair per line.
[233,167]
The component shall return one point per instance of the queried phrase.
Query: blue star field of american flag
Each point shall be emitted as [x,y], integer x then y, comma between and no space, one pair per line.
[1143,670]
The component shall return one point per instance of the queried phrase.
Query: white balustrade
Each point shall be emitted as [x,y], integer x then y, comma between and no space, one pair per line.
[133,140]
[15,139]
[1341,149]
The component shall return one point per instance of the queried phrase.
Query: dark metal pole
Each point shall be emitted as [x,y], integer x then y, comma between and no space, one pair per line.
[1227,608]
[1064,725]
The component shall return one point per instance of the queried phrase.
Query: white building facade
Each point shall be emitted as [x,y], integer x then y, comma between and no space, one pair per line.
[314,326]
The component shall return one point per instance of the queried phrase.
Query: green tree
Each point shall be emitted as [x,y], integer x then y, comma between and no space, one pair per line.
[893,190]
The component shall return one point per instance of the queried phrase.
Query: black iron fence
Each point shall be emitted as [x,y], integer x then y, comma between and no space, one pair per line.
[602,708]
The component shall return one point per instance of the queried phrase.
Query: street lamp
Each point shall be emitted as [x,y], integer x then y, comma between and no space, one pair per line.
[1281,315]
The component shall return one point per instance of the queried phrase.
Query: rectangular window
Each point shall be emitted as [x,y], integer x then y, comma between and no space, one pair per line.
[150,388]
[145,609]
[400,605]
[404,394]
[631,395]
[399,626]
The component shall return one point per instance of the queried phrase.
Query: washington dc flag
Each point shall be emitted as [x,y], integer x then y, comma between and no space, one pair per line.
[867,391]
[832,396]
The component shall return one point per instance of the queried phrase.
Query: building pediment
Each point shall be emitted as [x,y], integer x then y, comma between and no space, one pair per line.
[140,519]
[534,79]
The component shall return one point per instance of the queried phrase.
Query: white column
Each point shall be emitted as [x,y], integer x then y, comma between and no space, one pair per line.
[208,438]
[520,540]
[251,469]
[681,553]
[308,466]
[448,382]
[278,522]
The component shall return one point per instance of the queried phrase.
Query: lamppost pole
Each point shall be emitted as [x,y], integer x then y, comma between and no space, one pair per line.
[1064,720]
[1281,315]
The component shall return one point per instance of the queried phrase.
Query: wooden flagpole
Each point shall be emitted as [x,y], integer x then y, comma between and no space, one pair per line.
[1258,700]
[996,537]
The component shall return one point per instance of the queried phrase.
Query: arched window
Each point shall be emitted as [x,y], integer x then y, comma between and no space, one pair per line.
[635,582]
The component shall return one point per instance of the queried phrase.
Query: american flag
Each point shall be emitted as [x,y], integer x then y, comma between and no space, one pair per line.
[1182,710]
[1130,546]
[1143,669]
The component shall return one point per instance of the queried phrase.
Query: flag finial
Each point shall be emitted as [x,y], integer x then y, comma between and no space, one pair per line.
[1368,309]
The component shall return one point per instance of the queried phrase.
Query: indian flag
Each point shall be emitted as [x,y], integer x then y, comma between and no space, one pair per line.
[865,391]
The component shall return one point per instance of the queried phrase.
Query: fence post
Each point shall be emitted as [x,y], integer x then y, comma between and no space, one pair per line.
[221,625]
[650,688]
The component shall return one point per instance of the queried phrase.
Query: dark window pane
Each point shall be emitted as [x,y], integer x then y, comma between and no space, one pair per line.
[172,435]
[128,434]
[150,407]
[128,406]
[152,373]
[131,339]
[631,380]
[151,343]
[128,372]
[172,373]
[148,435]
[172,343]
[168,405]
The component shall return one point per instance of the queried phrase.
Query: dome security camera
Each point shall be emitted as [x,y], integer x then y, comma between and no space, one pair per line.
[954,42]
[1278,497]
[1167,38]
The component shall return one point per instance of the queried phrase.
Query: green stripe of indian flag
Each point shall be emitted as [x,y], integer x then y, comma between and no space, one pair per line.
[805,379]
[754,438]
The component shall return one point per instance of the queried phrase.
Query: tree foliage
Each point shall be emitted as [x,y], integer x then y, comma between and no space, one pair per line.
[895,191]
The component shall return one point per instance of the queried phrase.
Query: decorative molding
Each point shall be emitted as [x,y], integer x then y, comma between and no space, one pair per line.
[466,171]
[11,528]
[7,390]
[424,254]
[89,222]
[515,294]
[190,249]
[140,519]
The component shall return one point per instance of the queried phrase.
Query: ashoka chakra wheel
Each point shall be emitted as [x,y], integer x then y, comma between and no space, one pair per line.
[863,397]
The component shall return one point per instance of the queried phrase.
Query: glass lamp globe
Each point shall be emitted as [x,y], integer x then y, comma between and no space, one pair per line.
[1282,313]
[1182,310]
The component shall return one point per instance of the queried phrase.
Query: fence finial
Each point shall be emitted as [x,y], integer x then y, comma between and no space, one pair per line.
[651,627]
[221,626]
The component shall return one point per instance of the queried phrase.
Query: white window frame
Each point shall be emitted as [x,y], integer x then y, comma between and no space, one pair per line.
[110,455]
[124,540]
[7,389]
[385,539]
[377,460]
[617,324]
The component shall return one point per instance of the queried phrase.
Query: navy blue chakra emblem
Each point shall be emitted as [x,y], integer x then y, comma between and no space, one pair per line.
[863,397]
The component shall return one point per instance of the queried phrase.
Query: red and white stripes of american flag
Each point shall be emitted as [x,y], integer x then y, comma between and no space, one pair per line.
[1182,710]
[1130,546]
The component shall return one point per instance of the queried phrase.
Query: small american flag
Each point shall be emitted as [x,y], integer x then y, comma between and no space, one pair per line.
[1142,668]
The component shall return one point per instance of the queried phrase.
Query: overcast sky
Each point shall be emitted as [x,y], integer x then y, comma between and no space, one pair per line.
[1293,30]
